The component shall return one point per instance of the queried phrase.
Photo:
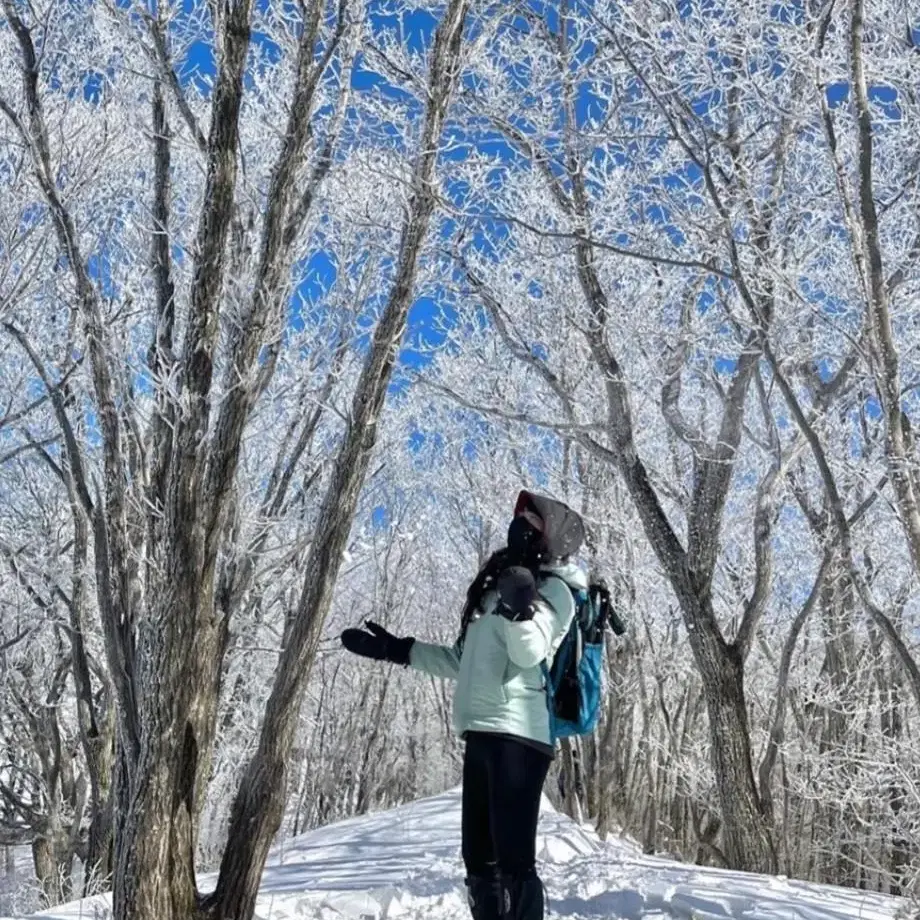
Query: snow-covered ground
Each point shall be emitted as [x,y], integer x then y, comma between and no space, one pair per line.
[405,863]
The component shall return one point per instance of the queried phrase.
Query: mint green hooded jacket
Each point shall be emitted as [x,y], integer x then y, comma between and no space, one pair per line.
[500,684]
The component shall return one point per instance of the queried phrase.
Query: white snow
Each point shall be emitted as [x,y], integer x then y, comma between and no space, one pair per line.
[405,863]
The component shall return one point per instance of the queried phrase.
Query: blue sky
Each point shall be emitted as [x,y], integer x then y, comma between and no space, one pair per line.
[414,30]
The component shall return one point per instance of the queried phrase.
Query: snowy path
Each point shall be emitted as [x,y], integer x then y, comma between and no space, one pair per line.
[405,864]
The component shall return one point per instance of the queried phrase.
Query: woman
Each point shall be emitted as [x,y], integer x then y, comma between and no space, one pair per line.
[517,611]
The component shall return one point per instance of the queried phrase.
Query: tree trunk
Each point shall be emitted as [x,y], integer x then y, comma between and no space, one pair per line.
[259,805]
[52,859]
[154,862]
[884,349]
[571,782]
[749,846]
[748,843]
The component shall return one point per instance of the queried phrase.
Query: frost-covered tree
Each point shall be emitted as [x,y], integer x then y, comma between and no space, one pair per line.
[184,219]
[654,268]
[670,256]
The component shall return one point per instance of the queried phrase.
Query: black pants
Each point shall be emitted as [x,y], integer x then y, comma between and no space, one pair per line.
[502,782]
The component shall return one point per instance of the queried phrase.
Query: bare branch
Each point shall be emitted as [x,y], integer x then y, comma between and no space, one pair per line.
[768,761]
[12,417]
[582,236]
[265,313]
[74,454]
[21,636]
[517,348]
[764,518]
[24,448]
[673,369]
[213,226]
[168,73]
[884,348]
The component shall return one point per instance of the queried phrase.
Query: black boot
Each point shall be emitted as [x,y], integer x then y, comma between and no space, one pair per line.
[484,893]
[522,897]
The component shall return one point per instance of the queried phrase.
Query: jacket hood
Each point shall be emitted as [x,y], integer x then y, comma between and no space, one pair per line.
[563,529]
[573,575]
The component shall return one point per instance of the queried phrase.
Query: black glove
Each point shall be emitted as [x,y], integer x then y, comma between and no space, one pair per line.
[517,593]
[375,642]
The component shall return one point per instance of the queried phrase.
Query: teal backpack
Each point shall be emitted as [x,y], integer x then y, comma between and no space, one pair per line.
[574,682]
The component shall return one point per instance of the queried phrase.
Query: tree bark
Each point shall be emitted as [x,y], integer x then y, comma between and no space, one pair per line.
[748,841]
[884,350]
[178,639]
[259,804]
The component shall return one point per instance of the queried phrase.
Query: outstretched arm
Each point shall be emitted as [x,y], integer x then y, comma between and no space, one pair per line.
[373,641]
[436,660]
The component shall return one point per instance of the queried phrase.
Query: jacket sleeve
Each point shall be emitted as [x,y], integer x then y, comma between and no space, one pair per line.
[531,641]
[436,660]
